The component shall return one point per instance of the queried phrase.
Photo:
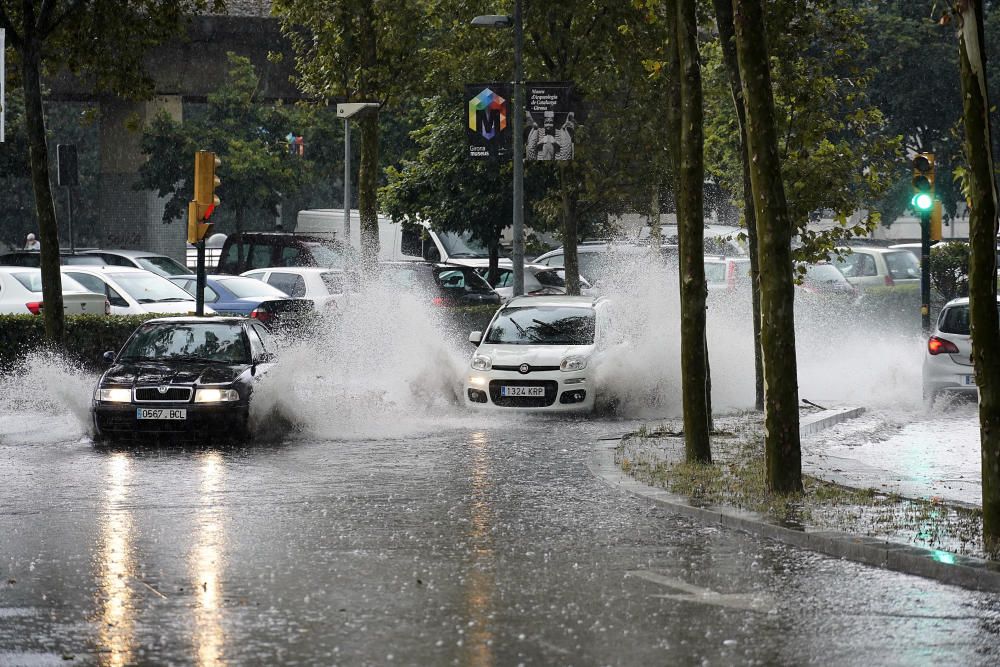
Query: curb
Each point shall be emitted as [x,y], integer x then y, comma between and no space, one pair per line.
[943,566]
[818,421]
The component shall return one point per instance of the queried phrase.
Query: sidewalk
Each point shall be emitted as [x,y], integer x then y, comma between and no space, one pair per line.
[916,538]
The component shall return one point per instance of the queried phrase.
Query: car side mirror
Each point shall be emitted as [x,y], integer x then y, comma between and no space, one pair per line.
[476,337]
[109,357]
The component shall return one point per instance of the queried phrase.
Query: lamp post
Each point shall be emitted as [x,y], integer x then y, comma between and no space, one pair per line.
[347,111]
[517,109]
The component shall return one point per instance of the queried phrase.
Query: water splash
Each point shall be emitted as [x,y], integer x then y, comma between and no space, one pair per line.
[46,398]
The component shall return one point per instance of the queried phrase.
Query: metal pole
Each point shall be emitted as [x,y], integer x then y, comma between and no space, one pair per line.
[69,217]
[347,182]
[199,293]
[518,153]
[925,271]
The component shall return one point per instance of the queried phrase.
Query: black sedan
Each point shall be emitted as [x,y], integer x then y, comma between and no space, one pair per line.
[183,376]
[443,284]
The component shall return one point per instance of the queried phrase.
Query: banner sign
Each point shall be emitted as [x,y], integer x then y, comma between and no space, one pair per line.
[551,123]
[488,123]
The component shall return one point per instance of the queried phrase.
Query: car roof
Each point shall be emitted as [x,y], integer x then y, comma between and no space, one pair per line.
[963,301]
[552,300]
[218,319]
[93,268]
[124,253]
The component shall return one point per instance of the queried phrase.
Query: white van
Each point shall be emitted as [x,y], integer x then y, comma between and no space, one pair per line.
[399,241]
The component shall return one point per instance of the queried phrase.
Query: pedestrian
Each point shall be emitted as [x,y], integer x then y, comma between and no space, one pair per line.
[31,243]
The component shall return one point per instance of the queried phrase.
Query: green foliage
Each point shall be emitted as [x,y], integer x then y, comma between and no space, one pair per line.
[248,136]
[950,269]
[88,337]
[835,151]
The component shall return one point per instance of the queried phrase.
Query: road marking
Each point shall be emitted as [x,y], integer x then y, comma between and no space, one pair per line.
[699,595]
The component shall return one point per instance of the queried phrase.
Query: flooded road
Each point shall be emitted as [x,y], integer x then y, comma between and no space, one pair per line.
[470,545]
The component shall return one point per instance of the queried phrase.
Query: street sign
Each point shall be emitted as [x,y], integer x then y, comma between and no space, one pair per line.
[551,121]
[488,128]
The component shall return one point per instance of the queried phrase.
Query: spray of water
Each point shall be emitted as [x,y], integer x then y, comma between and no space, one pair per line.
[46,398]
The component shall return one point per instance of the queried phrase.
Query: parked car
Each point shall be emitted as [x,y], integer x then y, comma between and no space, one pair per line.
[247,251]
[824,280]
[21,293]
[538,280]
[442,284]
[325,287]
[134,291]
[538,353]
[248,297]
[948,361]
[875,268]
[727,273]
[33,258]
[183,375]
[596,259]
[140,259]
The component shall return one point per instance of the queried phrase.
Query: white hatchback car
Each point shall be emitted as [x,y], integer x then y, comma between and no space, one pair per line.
[326,287]
[538,353]
[134,291]
[21,294]
[948,361]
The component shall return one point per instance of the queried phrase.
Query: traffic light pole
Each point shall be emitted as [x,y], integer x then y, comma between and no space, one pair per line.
[925,271]
[199,308]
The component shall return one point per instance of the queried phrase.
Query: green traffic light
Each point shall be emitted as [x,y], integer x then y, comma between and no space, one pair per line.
[922,201]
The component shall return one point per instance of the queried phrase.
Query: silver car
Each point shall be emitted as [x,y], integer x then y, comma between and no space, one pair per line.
[948,360]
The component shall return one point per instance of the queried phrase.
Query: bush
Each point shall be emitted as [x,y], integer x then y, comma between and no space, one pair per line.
[950,269]
[87,336]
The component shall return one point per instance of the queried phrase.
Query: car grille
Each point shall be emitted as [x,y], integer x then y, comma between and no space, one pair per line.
[551,389]
[531,369]
[154,395]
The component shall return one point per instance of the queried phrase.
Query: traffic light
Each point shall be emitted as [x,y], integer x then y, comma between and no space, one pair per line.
[936,216]
[200,208]
[923,182]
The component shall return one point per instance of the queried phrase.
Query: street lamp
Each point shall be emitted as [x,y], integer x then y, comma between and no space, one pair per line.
[347,111]
[517,109]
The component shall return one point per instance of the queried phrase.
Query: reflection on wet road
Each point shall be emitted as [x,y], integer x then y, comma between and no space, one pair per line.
[489,545]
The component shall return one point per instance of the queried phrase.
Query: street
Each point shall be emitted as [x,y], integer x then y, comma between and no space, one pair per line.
[471,546]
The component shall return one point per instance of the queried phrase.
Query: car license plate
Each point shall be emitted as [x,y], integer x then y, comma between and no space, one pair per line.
[970,379]
[534,392]
[161,413]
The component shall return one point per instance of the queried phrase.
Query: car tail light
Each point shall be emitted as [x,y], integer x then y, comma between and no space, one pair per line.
[889,282]
[34,306]
[261,315]
[439,301]
[937,346]
[731,275]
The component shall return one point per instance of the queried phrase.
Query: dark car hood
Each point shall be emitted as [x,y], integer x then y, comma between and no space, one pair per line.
[178,372]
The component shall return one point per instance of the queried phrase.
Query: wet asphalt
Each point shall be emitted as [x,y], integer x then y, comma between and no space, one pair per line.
[492,546]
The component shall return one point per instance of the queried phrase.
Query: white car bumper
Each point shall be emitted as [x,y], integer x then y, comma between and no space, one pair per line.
[941,373]
[547,391]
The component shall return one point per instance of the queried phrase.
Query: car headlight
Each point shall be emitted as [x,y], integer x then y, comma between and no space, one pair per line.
[115,395]
[480,362]
[213,395]
[573,363]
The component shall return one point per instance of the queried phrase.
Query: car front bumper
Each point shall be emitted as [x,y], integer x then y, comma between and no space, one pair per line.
[210,420]
[562,392]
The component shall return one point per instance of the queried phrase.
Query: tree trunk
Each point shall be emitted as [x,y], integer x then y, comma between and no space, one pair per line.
[493,273]
[982,263]
[691,230]
[48,230]
[571,262]
[672,110]
[727,36]
[368,191]
[781,397]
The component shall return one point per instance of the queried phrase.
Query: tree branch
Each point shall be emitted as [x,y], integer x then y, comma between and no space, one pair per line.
[15,39]
[70,11]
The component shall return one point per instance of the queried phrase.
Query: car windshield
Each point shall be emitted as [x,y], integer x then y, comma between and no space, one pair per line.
[213,342]
[543,325]
[163,266]
[146,287]
[823,273]
[327,256]
[902,265]
[248,287]
[32,281]
[551,278]
[462,245]
[460,279]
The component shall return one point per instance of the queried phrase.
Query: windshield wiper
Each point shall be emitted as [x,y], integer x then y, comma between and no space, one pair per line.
[547,325]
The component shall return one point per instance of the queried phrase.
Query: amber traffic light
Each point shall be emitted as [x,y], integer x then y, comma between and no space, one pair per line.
[205,200]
